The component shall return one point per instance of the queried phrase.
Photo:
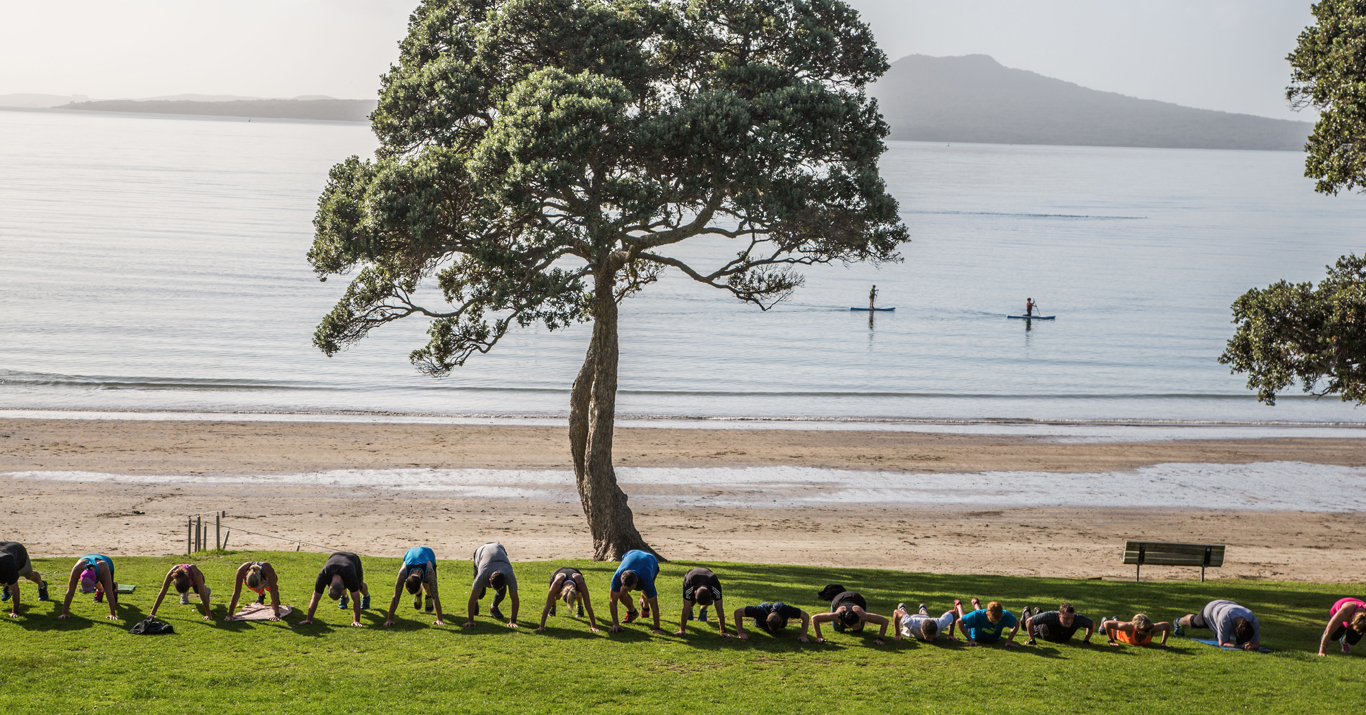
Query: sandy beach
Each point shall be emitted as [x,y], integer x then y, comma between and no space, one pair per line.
[77,515]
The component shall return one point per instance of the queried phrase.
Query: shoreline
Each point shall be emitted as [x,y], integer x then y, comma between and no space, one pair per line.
[64,517]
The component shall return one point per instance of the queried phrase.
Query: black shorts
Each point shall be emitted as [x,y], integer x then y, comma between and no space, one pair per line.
[1198,621]
[1041,631]
[1353,637]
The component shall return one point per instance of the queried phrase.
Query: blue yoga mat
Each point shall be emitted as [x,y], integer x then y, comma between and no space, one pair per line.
[1215,643]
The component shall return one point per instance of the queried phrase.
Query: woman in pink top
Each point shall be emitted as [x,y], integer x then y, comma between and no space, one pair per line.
[185,577]
[1346,622]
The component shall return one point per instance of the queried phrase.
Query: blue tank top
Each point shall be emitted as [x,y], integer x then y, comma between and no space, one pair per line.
[417,558]
[108,562]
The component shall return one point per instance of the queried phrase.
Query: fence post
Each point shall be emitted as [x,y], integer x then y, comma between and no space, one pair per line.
[199,533]
[217,531]
[189,535]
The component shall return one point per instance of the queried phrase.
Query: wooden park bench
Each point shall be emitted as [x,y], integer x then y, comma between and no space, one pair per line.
[1156,553]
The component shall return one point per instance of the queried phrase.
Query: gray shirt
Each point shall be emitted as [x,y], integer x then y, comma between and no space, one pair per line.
[1219,615]
[489,558]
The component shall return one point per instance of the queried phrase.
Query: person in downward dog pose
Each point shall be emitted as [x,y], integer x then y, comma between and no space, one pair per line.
[1346,624]
[567,584]
[492,569]
[848,611]
[702,587]
[1234,626]
[1056,626]
[95,574]
[1138,631]
[637,571]
[772,618]
[922,626]
[342,574]
[14,565]
[185,577]
[259,576]
[983,626]
[417,573]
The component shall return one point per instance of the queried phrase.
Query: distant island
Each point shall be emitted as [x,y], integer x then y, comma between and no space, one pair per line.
[976,99]
[336,110]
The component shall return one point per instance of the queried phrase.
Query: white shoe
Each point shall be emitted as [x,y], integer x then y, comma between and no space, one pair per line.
[185,598]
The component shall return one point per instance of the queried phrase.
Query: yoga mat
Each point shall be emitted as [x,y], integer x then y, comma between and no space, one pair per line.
[127,588]
[1215,643]
[260,612]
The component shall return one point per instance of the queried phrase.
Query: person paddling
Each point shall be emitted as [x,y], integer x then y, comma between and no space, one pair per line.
[1030,307]
[872,297]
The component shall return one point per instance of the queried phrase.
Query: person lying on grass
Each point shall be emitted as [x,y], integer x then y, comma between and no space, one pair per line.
[1138,631]
[492,569]
[1234,626]
[260,577]
[342,574]
[95,573]
[1346,624]
[15,564]
[921,625]
[983,626]
[185,577]
[1056,626]
[637,571]
[848,611]
[702,586]
[567,584]
[417,573]
[772,618]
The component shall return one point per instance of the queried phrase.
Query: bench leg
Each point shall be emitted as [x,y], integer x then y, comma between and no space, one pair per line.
[1202,574]
[1136,569]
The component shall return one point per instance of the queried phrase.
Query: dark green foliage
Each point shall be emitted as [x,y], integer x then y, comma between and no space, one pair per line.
[1329,73]
[88,664]
[1317,336]
[528,145]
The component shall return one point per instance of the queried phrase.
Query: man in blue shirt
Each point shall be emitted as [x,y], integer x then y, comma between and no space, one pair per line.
[984,625]
[637,571]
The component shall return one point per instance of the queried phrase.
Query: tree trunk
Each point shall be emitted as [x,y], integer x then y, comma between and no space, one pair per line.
[592,418]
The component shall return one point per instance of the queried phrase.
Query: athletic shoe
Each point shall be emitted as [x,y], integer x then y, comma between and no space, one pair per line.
[923,610]
[364,603]
[552,611]
[99,597]
[261,598]
[702,614]
[1180,630]
[185,598]
[496,613]
[341,603]
[630,617]
[431,605]
[645,612]
[901,607]
[42,591]
[417,601]
[580,610]
[4,594]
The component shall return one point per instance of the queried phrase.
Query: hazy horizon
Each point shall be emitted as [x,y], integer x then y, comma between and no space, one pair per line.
[1227,56]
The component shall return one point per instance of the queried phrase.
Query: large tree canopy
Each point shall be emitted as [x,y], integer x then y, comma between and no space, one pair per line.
[539,158]
[1317,336]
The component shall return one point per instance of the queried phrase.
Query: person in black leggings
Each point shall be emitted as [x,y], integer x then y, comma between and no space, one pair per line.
[848,611]
[568,585]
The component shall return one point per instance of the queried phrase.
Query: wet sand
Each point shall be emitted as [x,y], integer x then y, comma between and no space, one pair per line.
[72,517]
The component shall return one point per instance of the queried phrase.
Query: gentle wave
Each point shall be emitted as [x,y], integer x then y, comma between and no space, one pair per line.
[1025,215]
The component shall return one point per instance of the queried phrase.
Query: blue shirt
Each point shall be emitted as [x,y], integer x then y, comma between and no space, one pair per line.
[645,566]
[981,629]
[419,557]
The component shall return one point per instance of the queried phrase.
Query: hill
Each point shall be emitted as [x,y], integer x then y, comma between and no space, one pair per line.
[341,110]
[975,99]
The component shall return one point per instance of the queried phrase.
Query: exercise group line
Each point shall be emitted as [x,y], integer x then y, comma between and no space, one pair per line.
[342,578]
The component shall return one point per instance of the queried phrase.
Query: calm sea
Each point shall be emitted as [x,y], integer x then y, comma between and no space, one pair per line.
[151,263]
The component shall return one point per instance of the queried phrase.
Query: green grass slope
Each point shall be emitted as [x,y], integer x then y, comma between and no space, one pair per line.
[89,664]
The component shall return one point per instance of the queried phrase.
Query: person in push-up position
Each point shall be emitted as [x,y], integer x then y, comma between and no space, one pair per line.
[848,611]
[258,576]
[1234,626]
[702,587]
[1138,631]
[1056,626]
[772,618]
[1346,624]
[492,569]
[342,574]
[14,565]
[638,571]
[95,573]
[921,625]
[418,573]
[184,577]
[983,626]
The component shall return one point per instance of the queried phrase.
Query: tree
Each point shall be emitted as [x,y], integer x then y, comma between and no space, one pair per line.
[538,159]
[1298,332]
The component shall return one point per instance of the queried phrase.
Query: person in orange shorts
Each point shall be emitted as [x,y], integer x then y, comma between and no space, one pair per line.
[1139,631]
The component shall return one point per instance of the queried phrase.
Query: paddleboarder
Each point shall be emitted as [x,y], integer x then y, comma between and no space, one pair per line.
[1030,305]
[872,297]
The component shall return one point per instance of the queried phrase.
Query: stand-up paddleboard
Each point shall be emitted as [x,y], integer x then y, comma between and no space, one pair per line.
[1032,317]
[875,310]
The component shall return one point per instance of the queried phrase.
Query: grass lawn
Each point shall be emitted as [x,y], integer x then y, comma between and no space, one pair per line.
[87,663]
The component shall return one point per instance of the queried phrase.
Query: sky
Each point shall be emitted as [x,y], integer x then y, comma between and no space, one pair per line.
[1227,55]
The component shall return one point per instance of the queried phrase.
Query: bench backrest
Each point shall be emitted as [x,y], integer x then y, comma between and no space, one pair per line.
[1163,554]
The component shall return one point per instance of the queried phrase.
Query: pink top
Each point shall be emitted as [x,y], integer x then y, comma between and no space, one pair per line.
[1344,601]
[192,570]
